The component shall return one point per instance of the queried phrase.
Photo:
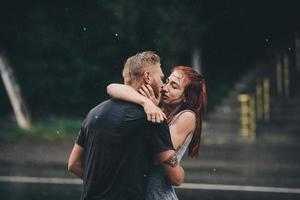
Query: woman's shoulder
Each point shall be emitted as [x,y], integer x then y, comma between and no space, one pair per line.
[184,121]
[184,116]
[182,127]
[187,113]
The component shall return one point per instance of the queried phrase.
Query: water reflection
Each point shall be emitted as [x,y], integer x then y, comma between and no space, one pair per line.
[21,191]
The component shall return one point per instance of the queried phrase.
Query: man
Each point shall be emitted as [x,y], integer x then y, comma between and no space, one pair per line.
[116,144]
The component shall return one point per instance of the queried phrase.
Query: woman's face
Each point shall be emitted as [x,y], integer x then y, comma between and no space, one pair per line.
[172,91]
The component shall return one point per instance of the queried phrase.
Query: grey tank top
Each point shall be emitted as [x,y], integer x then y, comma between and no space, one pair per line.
[159,187]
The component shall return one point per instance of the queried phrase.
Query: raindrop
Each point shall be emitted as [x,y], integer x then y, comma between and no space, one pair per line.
[214,169]
[84,28]
[116,34]
[96,116]
[290,48]
[57,132]
[267,39]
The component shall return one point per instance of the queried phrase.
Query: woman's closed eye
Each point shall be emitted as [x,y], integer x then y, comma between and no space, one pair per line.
[174,86]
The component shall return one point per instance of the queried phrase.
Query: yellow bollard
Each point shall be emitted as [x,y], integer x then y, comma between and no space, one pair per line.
[247,116]
[259,100]
[286,75]
[266,103]
[252,120]
[279,82]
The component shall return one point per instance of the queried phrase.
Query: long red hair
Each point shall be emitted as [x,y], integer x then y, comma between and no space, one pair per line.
[195,99]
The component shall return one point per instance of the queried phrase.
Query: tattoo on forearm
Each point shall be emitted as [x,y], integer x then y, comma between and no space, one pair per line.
[171,161]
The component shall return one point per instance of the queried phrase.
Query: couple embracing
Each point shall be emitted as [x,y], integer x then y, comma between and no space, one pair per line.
[129,147]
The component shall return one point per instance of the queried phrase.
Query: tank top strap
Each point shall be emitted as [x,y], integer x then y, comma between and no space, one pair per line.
[178,115]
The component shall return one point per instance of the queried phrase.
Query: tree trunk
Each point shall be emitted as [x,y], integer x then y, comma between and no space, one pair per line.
[196,60]
[297,45]
[14,93]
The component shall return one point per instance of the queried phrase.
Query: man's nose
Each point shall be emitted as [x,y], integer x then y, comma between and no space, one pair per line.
[163,87]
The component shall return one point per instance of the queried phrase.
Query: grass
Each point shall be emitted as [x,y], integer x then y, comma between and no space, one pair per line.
[49,129]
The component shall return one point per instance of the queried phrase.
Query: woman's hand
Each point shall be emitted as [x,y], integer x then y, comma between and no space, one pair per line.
[147,91]
[154,113]
[145,98]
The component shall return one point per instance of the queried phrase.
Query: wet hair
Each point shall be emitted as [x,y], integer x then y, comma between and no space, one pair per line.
[136,65]
[195,99]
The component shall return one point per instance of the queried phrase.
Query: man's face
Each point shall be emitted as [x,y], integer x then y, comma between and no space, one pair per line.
[156,79]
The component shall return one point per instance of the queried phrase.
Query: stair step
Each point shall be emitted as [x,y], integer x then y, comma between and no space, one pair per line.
[290,129]
[223,123]
[286,101]
[283,120]
[224,120]
[225,109]
[230,129]
[285,109]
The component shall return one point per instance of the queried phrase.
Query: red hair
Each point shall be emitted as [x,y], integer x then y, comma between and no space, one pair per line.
[195,99]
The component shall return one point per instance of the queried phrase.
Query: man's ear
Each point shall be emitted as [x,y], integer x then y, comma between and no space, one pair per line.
[146,77]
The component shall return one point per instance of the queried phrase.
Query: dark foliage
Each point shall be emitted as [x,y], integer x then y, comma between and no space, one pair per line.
[64,53]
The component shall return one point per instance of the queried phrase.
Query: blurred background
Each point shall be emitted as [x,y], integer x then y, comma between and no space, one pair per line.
[57,57]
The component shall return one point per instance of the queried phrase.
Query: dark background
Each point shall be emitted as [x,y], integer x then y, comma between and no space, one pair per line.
[64,53]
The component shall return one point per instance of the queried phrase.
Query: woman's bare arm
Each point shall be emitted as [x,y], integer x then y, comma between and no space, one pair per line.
[127,93]
[182,127]
[172,167]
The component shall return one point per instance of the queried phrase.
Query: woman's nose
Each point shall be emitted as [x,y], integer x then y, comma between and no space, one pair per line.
[164,88]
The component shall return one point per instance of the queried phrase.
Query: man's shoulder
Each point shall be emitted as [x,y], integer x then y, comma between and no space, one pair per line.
[124,105]
[115,103]
[119,107]
[160,126]
[131,111]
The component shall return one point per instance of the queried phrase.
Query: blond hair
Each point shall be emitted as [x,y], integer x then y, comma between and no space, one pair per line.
[136,65]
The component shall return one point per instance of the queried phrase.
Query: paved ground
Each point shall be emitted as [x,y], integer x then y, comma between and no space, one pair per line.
[38,151]
[263,163]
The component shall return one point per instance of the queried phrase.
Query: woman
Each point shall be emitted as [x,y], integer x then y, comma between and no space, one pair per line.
[183,100]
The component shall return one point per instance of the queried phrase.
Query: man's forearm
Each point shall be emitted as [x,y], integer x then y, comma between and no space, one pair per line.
[75,164]
[77,170]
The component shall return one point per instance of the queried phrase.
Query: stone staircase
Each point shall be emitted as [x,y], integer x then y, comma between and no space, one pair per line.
[223,123]
[284,124]
[269,160]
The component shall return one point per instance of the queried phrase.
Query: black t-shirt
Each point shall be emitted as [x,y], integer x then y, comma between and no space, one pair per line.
[120,145]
